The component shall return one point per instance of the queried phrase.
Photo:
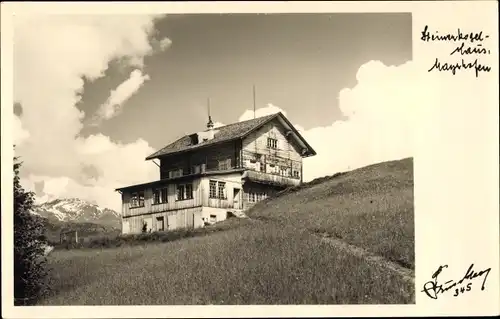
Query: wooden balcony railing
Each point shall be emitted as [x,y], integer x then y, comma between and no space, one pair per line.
[272,179]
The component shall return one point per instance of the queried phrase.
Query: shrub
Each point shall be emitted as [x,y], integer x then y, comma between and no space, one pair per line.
[30,274]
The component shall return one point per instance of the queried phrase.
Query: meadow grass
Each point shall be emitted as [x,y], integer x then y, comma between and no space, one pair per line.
[272,258]
[252,265]
[371,207]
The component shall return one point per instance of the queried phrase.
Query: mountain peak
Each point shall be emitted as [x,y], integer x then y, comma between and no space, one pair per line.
[77,210]
[68,200]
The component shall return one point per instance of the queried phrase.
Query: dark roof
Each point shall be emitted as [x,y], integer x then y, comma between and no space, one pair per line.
[222,134]
[165,181]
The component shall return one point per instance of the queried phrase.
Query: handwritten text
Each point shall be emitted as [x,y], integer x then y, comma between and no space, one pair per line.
[470,48]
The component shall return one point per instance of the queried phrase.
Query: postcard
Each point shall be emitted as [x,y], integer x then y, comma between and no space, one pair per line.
[250,159]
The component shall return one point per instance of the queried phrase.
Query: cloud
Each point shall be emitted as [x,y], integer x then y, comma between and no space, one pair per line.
[121,94]
[20,134]
[164,43]
[51,55]
[268,110]
[113,165]
[379,124]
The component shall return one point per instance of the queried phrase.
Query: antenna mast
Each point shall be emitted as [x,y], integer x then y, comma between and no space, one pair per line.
[210,124]
[255,142]
[208,107]
[254,101]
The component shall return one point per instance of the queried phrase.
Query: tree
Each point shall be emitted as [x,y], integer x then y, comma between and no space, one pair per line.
[30,274]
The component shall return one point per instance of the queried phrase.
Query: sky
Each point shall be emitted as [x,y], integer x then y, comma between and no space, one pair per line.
[95,95]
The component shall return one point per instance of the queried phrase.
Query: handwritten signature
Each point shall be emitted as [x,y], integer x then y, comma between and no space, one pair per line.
[432,288]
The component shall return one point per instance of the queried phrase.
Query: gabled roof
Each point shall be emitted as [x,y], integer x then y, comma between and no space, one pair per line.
[228,133]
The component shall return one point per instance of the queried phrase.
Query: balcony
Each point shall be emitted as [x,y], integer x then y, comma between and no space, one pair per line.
[271,179]
[225,166]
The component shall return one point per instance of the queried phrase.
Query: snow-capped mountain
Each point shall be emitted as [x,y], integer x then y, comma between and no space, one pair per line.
[77,211]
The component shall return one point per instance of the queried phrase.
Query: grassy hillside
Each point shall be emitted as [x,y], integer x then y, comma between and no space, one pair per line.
[371,207]
[276,257]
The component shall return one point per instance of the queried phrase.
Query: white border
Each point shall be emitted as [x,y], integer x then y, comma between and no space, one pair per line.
[458,227]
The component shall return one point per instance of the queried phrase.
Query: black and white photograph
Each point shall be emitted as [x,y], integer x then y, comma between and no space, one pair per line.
[241,158]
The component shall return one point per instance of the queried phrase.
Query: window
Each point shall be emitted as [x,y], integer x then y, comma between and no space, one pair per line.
[213,189]
[160,195]
[296,174]
[283,171]
[160,223]
[255,197]
[184,191]
[180,192]
[156,196]
[137,199]
[273,169]
[224,164]
[175,173]
[213,218]
[164,195]
[272,142]
[197,169]
[189,191]
[222,190]
[217,190]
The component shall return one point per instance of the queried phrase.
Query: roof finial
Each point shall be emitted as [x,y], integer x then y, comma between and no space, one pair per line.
[210,124]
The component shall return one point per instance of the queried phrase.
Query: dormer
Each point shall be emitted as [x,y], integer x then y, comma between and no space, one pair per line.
[194,138]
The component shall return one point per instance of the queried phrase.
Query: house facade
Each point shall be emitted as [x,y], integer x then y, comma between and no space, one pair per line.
[206,176]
